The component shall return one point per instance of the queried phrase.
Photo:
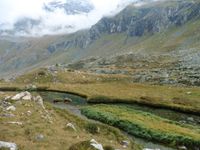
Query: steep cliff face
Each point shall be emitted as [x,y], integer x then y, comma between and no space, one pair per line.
[138,21]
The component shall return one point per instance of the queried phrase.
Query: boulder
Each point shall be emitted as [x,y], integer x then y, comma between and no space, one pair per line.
[18,96]
[96,145]
[39,101]
[11,108]
[70,125]
[11,146]
[7,97]
[23,95]
[27,96]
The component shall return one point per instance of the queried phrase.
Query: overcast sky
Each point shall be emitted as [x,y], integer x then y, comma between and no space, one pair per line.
[12,10]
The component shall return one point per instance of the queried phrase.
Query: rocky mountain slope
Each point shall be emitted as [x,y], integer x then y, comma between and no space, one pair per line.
[154,40]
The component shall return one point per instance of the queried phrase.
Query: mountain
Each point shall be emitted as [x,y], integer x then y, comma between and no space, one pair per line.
[156,42]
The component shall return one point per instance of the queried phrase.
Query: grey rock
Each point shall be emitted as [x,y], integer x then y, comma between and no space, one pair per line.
[151,149]
[70,125]
[182,148]
[15,122]
[39,137]
[125,144]
[8,115]
[96,145]
[11,108]
[11,146]
[191,119]
[39,101]
[23,95]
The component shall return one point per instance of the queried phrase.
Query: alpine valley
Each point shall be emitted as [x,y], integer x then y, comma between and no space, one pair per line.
[136,70]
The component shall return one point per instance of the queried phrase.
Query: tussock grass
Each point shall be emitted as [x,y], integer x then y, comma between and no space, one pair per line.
[55,135]
[111,89]
[145,125]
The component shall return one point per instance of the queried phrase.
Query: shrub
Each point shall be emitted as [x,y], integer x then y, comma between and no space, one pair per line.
[41,73]
[85,145]
[108,148]
[92,128]
[4,148]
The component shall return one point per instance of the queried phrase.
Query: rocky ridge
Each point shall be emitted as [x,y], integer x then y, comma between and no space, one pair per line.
[138,21]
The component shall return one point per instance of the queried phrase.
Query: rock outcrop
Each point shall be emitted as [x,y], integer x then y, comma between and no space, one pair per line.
[136,21]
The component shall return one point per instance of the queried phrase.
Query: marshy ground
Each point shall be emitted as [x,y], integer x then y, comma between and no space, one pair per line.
[165,114]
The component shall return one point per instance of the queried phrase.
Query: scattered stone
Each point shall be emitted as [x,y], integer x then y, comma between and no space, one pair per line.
[125,144]
[28,96]
[18,96]
[151,149]
[96,145]
[11,146]
[39,137]
[23,95]
[182,148]
[17,123]
[190,119]
[183,122]
[7,97]
[196,148]
[189,93]
[71,126]
[11,108]
[18,102]
[8,115]
[29,113]
[31,87]
[39,101]
[5,103]
[67,100]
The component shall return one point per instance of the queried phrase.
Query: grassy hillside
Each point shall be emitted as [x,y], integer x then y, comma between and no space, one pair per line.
[51,123]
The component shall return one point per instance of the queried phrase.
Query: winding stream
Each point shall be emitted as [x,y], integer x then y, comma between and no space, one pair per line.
[78,102]
[74,108]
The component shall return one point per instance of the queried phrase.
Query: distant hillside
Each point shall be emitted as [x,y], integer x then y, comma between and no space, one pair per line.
[163,32]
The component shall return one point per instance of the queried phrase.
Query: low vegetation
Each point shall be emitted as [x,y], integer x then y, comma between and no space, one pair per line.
[145,125]
[111,89]
[85,145]
[117,89]
[36,131]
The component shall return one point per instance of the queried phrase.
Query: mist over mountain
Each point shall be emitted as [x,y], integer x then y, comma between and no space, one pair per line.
[54,16]
[49,17]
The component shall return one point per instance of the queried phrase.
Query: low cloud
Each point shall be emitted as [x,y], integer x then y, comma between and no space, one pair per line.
[57,21]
